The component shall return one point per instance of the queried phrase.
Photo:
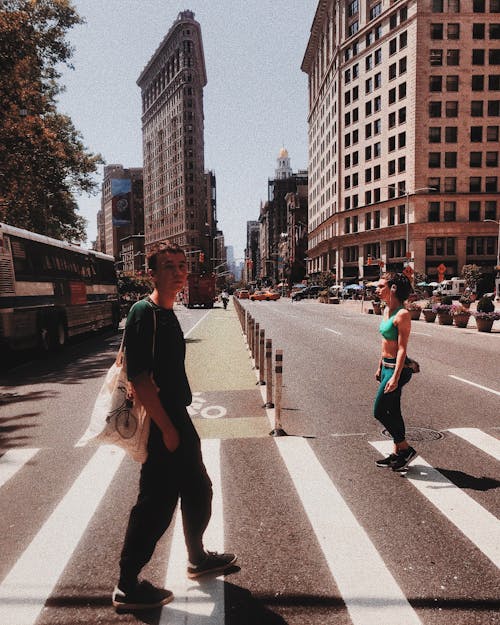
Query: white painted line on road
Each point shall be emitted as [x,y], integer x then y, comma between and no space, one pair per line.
[334,331]
[479,525]
[12,461]
[31,580]
[483,388]
[368,589]
[196,324]
[195,600]
[478,438]
[421,334]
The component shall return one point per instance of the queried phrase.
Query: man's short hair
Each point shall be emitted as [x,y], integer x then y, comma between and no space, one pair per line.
[162,247]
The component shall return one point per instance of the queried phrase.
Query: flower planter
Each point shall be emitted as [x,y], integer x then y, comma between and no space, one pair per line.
[415,314]
[484,325]
[461,319]
[445,319]
[429,315]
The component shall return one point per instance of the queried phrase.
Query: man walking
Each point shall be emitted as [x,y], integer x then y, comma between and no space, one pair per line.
[174,467]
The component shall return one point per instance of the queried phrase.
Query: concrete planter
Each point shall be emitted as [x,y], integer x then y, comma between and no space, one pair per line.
[415,314]
[429,315]
[445,319]
[461,319]
[484,325]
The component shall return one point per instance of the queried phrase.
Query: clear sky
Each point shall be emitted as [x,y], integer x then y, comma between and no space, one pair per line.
[255,101]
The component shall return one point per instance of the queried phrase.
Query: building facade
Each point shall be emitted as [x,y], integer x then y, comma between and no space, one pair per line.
[273,218]
[175,185]
[122,208]
[404,115]
[251,267]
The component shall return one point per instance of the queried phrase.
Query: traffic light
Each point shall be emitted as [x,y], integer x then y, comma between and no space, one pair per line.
[201,257]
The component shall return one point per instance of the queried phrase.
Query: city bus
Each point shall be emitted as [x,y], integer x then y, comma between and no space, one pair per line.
[51,291]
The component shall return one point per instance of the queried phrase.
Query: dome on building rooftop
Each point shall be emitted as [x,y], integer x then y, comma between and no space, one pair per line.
[283,153]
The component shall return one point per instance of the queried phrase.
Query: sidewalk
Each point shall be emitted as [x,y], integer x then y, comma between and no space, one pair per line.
[226,399]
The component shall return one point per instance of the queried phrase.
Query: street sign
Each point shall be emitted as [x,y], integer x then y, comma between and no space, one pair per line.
[408,271]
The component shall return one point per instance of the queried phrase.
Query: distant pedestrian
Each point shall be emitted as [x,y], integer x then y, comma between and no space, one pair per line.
[394,371]
[174,467]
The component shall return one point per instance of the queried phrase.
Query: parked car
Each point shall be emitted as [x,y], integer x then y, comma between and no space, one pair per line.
[242,294]
[264,295]
[307,292]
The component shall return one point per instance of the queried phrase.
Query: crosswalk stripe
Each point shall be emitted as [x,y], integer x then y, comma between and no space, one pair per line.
[193,600]
[480,526]
[478,438]
[12,461]
[31,580]
[368,589]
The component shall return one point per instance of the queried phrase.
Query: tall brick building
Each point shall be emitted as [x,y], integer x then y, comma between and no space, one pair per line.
[404,115]
[176,202]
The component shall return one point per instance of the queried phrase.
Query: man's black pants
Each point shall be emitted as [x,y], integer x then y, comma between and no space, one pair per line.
[166,477]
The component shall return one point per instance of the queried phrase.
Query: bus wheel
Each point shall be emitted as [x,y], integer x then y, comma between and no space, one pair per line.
[59,334]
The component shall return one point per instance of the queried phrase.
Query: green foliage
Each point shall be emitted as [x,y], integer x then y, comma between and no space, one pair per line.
[471,274]
[43,160]
[485,305]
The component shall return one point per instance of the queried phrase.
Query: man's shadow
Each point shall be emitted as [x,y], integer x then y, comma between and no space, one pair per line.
[214,601]
[457,478]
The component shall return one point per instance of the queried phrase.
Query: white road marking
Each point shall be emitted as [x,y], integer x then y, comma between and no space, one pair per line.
[479,525]
[483,388]
[31,580]
[194,599]
[334,331]
[478,438]
[420,334]
[368,589]
[12,461]
[196,324]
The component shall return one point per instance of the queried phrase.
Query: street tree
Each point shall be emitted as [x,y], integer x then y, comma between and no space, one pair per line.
[43,161]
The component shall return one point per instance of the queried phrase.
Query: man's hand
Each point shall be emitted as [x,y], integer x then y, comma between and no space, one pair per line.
[171,438]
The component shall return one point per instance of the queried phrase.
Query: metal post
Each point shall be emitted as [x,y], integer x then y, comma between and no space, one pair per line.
[278,430]
[261,358]
[269,374]
[256,345]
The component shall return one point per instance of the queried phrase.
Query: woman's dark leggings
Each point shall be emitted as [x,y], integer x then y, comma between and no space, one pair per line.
[387,407]
[166,477]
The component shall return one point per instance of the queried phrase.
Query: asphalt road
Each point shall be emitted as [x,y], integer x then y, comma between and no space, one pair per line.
[322,535]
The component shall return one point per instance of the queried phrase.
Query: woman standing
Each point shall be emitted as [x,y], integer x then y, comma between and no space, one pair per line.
[393,371]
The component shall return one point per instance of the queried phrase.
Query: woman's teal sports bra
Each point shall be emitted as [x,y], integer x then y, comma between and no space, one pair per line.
[387,328]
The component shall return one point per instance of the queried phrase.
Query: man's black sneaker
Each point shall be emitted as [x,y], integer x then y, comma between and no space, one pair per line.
[387,462]
[403,459]
[144,596]
[213,563]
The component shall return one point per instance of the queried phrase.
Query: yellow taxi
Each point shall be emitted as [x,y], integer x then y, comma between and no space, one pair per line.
[266,295]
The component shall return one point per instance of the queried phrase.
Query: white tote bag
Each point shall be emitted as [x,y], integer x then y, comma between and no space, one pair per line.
[118,417]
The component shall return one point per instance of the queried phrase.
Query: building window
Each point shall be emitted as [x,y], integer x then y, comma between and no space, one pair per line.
[476,134]
[393,46]
[437,6]
[396,249]
[392,215]
[376,149]
[453,31]
[436,57]
[451,134]
[392,119]
[434,135]
[435,183]
[491,184]
[477,83]
[451,83]
[391,167]
[402,90]
[478,6]
[478,31]
[494,57]
[453,57]
[450,184]
[451,108]
[376,221]
[450,159]
[401,164]
[474,211]
[434,159]
[402,213]
[433,211]
[347,225]
[494,82]
[434,109]
[476,108]
[491,159]
[392,71]
[437,31]
[450,211]
[494,31]
[475,159]
[490,209]
[435,83]
[475,184]
[492,133]
[477,57]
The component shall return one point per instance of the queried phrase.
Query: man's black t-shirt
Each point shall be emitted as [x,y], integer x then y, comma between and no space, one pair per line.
[168,369]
